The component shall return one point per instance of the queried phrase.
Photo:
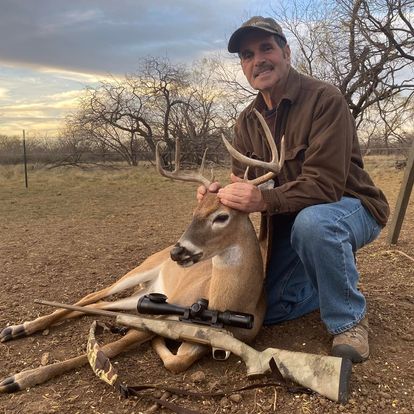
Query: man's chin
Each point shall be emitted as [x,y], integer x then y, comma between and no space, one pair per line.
[262,85]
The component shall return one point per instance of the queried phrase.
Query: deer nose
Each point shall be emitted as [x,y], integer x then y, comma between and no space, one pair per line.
[183,256]
[177,252]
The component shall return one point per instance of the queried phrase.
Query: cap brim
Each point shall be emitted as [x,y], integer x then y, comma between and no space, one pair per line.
[236,37]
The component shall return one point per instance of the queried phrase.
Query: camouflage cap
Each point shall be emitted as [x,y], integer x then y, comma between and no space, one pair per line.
[265,24]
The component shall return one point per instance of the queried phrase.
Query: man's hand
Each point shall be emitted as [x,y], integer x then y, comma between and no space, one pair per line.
[242,196]
[213,188]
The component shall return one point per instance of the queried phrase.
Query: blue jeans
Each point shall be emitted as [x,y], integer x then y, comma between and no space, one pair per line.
[312,264]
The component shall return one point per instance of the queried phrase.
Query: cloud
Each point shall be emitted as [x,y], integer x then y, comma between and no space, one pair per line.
[35,101]
[52,49]
[81,77]
[101,36]
[4,92]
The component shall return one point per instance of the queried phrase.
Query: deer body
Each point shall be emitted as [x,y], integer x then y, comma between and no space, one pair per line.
[218,258]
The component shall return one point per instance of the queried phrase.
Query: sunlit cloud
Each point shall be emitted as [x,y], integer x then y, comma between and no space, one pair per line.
[85,78]
[43,114]
[3,93]
[43,127]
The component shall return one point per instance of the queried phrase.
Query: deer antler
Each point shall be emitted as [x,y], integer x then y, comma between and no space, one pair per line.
[273,167]
[178,174]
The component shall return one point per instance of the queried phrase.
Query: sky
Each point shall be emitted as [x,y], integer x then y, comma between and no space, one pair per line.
[50,50]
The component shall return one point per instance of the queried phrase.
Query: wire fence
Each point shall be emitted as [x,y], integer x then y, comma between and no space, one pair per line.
[106,158]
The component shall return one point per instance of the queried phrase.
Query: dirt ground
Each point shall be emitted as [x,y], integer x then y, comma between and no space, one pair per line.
[75,232]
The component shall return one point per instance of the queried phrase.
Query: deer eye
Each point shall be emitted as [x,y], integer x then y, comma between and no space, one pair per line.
[220,219]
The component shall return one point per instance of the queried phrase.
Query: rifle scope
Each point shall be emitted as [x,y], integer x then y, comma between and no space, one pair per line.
[156,304]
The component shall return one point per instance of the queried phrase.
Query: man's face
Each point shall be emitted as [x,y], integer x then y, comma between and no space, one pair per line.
[263,61]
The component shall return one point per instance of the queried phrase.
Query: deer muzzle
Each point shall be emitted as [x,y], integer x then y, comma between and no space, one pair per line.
[183,256]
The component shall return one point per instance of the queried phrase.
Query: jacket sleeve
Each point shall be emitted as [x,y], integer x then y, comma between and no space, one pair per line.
[326,160]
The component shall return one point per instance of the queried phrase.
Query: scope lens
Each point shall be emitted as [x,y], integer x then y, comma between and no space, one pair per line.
[157,297]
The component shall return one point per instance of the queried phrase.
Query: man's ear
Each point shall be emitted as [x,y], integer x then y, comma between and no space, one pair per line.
[287,52]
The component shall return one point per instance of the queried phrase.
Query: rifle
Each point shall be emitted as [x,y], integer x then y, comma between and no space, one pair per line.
[326,375]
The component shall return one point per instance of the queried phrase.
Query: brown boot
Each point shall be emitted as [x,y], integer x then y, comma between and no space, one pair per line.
[352,344]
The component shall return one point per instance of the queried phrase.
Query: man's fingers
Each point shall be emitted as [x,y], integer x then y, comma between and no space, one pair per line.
[240,188]
[242,196]
[230,197]
[235,179]
[235,205]
[201,191]
[214,187]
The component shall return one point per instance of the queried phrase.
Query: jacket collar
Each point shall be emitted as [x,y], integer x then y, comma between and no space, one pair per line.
[292,89]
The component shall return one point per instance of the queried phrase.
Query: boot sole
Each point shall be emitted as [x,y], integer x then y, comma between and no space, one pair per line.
[348,352]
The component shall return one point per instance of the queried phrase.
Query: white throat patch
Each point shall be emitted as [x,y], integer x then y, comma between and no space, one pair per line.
[232,256]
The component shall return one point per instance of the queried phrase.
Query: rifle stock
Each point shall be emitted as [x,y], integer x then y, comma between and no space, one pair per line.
[326,375]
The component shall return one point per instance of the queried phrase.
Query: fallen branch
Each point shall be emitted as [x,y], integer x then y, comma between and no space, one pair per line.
[400,252]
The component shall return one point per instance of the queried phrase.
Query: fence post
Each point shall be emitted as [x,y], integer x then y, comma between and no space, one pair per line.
[25,159]
[403,199]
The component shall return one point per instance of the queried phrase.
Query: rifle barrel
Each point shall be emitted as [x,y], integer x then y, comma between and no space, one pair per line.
[82,309]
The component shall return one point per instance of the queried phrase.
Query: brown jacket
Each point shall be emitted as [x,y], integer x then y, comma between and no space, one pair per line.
[323,160]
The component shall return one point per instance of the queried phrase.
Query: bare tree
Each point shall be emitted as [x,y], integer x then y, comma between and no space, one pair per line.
[161,101]
[73,147]
[167,90]
[338,43]
[114,115]
[200,124]
[128,116]
[394,20]
[236,92]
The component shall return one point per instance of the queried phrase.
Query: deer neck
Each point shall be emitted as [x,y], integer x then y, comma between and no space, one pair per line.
[237,274]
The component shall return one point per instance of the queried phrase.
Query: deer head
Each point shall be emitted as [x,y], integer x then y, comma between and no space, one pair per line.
[215,227]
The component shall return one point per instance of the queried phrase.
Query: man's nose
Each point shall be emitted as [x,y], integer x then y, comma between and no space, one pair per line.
[259,59]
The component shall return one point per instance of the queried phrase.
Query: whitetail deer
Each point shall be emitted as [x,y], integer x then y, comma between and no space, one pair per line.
[218,258]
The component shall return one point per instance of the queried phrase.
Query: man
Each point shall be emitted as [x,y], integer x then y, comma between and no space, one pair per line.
[322,207]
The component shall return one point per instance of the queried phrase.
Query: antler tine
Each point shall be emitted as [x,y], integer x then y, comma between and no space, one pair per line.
[271,174]
[201,169]
[178,174]
[273,167]
[269,138]
[249,161]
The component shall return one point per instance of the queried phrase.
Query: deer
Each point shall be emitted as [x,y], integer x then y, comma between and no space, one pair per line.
[218,258]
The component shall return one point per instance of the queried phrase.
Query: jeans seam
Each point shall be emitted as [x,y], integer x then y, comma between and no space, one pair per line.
[346,291]
[376,230]
[287,278]
[280,294]
[353,323]
[348,326]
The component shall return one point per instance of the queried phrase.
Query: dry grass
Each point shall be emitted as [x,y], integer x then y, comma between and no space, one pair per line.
[73,232]
[105,184]
[81,188]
